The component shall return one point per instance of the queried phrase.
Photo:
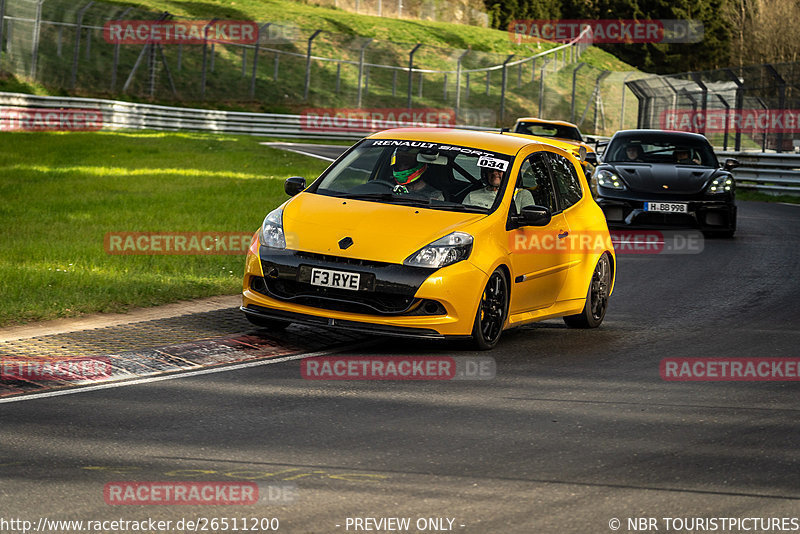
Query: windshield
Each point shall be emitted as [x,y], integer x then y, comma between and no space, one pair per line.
[676,150]
[556,131]
[426,174]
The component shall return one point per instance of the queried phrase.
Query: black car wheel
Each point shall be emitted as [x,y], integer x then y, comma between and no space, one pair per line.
[596,299]
[492,311]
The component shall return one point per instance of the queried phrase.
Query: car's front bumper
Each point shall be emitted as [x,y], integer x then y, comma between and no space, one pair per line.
[392,299]
[705,215]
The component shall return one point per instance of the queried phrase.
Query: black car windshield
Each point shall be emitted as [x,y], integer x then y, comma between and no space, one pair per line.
[544,129]
[660,148]
[426,174]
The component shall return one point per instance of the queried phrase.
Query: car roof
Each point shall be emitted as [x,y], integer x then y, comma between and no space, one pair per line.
[546,121]
[674,134]
[486,140]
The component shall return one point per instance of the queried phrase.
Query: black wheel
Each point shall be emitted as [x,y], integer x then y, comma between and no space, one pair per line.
[596,299]
[492,311]
[269,324]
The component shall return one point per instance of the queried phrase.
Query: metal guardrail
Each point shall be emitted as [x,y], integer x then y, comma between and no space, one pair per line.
[770,173]
[128,115]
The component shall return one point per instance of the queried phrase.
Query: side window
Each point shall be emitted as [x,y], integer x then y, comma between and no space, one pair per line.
[534,177]
[566,180]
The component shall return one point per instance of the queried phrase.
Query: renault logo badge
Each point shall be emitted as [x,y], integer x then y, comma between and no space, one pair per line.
[345,243]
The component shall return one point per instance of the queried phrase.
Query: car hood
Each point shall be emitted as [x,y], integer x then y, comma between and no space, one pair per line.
[380,232]
[662,177]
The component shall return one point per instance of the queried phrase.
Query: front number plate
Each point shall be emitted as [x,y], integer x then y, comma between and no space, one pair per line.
[667,207]
[337,279]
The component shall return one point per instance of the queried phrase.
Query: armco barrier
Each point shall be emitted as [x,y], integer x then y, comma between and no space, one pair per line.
[127,115]
[770,173]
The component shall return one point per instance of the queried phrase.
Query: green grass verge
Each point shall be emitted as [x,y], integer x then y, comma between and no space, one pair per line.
[61,193]
[764,197]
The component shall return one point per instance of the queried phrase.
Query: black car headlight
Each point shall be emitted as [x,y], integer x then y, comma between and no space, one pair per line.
[609,180]
[720,184]
[449,249]
[272,230]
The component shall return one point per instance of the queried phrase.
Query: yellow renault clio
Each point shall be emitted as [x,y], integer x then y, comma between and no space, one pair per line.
[435,233]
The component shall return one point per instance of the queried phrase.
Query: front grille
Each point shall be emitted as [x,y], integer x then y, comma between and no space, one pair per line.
[340,260]
[374,302]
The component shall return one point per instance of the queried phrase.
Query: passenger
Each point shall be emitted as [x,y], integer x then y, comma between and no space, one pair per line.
[484,197]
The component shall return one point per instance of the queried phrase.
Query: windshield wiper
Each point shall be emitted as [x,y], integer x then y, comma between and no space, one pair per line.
[390,197]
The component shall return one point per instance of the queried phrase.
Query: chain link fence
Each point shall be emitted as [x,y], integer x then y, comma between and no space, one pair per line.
[65,46]
[472,12]
[754,108]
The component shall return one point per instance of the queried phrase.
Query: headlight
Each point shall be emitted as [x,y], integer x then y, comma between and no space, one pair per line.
[609,180]
[450,249]
[272,229]
[721,184]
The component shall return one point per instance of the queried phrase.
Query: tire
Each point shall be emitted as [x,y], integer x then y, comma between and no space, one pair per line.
[492,312]
[594,310]
[276,325]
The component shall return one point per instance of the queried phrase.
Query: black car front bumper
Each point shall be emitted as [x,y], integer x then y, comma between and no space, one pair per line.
[705,215]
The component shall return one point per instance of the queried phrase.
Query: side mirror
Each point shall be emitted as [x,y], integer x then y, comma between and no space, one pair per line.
[533,216]
[591,158]
[730,164]
[504,130]
[294,185]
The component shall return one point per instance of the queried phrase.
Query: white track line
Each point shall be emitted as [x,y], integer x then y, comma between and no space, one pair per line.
[287,149]
[147,380]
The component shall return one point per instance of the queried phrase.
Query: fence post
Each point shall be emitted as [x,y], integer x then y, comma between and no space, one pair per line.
[503,88]
[308,64]
[361,53]
[739,103]
[622,113]
[781,101]
[410,65]
[255,59]
[574,80]
[205,59]
[37,28]
[458,81]
[541,85]
[76,51]
[2,24]
[115,64]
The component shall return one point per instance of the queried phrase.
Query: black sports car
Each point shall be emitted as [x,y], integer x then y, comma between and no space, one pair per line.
[656,178]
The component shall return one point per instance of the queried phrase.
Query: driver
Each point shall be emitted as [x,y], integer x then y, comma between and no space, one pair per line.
[633,152]
[409,174]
